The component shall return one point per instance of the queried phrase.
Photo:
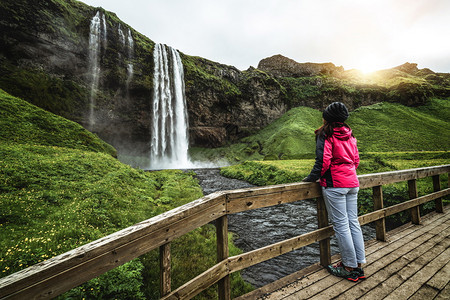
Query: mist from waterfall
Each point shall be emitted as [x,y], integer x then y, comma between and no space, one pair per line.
[96,36]
[169,133]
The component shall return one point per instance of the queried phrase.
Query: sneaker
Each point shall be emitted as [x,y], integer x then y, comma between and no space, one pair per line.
[339,271]
[360,273]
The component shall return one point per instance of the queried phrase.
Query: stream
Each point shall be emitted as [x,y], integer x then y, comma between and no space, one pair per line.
[261,227]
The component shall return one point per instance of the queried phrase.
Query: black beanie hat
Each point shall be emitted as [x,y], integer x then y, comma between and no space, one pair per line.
[335,112]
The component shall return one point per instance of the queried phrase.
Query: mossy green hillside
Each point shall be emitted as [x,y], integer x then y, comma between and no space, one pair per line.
[382,127]
[25,123]
[56,78]
[202,75]
[394,127]
[55,199]
[61,187]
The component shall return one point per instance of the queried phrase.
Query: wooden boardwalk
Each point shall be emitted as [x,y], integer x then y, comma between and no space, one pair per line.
[413,264]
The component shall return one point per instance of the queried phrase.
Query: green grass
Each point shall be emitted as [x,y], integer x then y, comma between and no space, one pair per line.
[382,127]
[24,123]
[61,187]
[394,127]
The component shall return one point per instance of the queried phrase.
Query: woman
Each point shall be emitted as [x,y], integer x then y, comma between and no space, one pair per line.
[336,161]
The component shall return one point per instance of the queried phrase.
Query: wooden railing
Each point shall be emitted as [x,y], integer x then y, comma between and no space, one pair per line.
[63,272]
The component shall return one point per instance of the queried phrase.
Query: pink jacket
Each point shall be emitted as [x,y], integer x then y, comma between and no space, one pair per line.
[337,158]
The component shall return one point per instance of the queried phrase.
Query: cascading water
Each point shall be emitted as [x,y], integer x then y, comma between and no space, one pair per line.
[97,35]
[130,45]
[105,32]
[94,68]
[121,35]
[169,144]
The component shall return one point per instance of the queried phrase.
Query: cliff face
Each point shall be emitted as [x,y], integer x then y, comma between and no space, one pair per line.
[225,104]
[281,66]
[46,57]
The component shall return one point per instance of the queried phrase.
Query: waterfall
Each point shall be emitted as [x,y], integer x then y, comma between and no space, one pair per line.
[94,68]
[130,45]
[121,35]
[169,144]
[105,32]
[97,35]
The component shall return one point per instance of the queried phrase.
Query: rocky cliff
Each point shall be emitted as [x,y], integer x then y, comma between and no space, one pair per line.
[45,60]
[46,57]
[281,66]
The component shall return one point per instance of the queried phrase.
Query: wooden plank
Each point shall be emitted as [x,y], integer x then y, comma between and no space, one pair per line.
[408,288]
[376,252]
[371,217]
[437,187]
[413,194]
[251,198]
[433,286]
[385,263]
[425,292]
[371,180]
[254,257]
[406,266]
[324,245]
[414,202]
[200,283]
[445,293]
[432,171]
[102,255]
[379,255]
[383,178]
[224,286]
[380,226]
[390,252]
[441,278]
[387,211]
[281,283]
[164,269]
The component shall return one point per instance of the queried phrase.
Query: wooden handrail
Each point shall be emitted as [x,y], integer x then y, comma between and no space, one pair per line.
[63,272]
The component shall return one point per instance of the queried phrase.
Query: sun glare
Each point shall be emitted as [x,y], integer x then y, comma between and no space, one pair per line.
[368,65]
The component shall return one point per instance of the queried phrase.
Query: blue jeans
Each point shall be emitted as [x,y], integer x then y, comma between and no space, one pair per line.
[342,210]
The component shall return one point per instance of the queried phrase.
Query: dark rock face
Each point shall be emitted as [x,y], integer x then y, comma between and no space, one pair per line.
[44,59]
[281,66]
[225,104]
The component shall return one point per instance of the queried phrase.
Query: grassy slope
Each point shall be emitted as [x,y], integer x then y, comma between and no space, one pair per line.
[379,128]
[24,123]
[394,127]
[61,187]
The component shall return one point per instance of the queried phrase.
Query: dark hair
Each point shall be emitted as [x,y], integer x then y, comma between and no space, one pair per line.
[328,128]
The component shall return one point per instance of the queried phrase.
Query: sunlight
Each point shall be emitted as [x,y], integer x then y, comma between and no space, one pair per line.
[368,64]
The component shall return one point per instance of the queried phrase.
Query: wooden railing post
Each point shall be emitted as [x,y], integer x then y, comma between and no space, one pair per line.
[324,245]
[164,270]
[437,187]
[380,225]
[415,211]
[224,285]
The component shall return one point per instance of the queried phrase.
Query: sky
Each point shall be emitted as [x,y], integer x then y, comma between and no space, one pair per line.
[367,35]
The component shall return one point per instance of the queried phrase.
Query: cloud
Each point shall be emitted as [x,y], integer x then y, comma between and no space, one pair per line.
[346,32]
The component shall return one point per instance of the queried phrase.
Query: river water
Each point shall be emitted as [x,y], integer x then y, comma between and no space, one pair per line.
[261,227]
